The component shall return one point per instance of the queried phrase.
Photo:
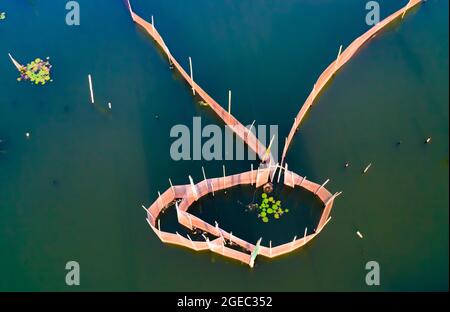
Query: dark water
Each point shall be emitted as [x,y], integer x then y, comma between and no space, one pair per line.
[73,191]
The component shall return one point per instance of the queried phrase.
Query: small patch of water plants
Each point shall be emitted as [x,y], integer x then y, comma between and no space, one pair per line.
[2,15]
[38,71]
[270,208]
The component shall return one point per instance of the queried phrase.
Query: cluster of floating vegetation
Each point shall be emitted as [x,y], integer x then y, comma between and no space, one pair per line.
[38,71]
[2,16]
[270,207]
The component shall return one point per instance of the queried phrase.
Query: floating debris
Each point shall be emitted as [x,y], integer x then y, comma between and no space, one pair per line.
[428,140]
[2,16]
[109,105]
[359,234]
[27,135]
[346,165]
[38,71]
[203,103]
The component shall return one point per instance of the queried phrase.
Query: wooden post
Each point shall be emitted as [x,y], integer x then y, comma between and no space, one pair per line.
[204,175]
[270,248]
[231,238]
[207,241]
[274,172]
[367,168]
[193,245]
[304,178]
[171,187]
[16,64]
[178,211]
[194,191]
[153,26]
[406,9]
[229,101]
[212,188]
[91,89]
[337,59]
[268,149]
[304,235]
[333,197]
[159,224]
[293,241]
[251,174]
[320,187]
[326,222]
[279,173]
[161,204]
[192,75]
[284,149]
[251,126]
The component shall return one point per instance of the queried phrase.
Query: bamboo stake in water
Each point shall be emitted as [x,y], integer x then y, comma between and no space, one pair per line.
[337,59]
[229,101]
[194,190]
[320,187]
[406,9]
[367,168]
[153,25]
[192,75]
[204,175]
[190,240]
[90,88]
[171,186]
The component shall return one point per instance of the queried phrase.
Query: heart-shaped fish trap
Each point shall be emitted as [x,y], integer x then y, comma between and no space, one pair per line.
[184,196]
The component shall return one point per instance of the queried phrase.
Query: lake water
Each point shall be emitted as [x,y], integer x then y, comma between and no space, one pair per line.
[74,189]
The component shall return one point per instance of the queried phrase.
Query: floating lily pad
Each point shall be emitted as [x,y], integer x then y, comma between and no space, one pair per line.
[270,207]
[38,72]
